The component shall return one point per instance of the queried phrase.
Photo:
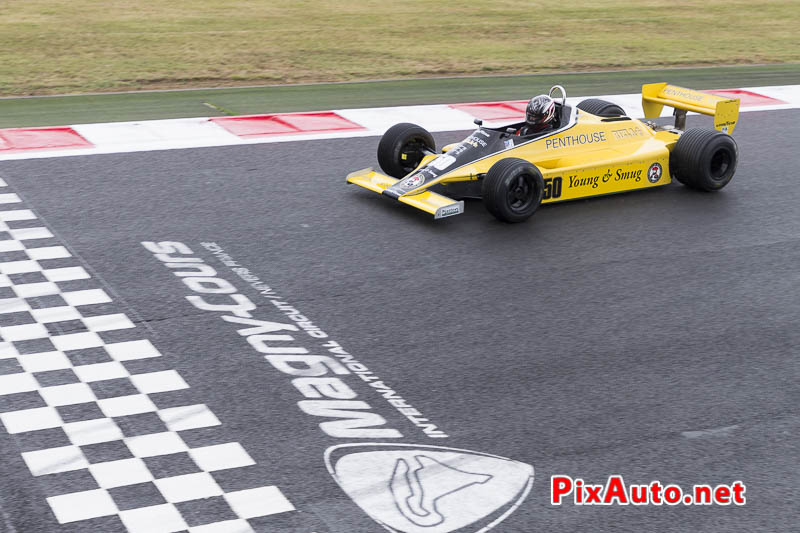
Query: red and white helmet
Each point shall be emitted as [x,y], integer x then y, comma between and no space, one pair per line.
[540,111]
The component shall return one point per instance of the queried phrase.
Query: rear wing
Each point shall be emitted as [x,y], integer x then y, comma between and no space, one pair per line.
[657,95]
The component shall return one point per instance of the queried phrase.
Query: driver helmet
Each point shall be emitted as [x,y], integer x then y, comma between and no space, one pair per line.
[540,112]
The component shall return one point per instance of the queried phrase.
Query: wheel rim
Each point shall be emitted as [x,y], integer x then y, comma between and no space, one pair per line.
[521,193]
[411,154]
[720,163]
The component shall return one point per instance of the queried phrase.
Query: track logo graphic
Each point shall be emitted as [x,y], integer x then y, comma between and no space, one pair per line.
[429,489]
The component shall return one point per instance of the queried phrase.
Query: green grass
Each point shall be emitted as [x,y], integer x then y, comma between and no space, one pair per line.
[56,110]
[78,46]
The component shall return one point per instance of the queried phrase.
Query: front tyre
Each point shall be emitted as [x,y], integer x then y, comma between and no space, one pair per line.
[704,159]
[402,148]
[512,190]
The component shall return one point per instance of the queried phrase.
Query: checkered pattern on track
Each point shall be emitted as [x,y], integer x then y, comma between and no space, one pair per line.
[113,434]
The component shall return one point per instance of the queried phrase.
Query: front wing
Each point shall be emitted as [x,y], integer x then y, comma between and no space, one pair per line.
[435,204]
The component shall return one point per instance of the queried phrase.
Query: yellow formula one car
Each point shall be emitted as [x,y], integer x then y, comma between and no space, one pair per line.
[590,150]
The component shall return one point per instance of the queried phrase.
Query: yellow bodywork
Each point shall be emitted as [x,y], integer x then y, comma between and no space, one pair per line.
[596,156]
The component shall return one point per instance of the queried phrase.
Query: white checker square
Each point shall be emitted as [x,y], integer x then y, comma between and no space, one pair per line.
[54,460]
[19,267]
[87,297]
[226,526]
[9,198]
[132,404]
[152,382]
[55,314]
[120,473]
[43,362]
[92,431]
[130,350]
[163,518]
[70,394]
[17,214]
[221,456]
[7,350]
[48,252]
[108,322]
[188,417]
[23,332]
[100,371]
[34,290]
[66,274]
[188,487]
[262,501]
[76,341]
[24,234]
[154,444]
[14,305]
[19,382]
[82,505]
[31,419]
[11,246]
[4,281]
[3,182]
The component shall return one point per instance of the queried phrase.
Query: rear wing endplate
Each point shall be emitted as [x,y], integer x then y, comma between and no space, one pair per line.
[657,95]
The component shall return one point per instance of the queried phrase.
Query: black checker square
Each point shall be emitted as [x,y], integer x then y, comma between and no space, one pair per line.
[67,482]
[88,356]
[99,309]
[120,335]
[20,401]
[206,511]
[77,285]
[10,366]
[5,236]
[174,464]
[29,441]
[111,388]
[137,496]
[34,345]
[61,262]
[52,378]
[27,277]
[46,302]
[16,255]
[28,223]
[16,319]
[6,293]
[140,424]
[287,523]
[66,327]
[104,452]
[79,412]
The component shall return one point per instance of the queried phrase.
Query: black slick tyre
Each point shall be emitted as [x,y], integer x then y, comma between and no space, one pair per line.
[402,147]
[601,108]
[704,159]
[512,190]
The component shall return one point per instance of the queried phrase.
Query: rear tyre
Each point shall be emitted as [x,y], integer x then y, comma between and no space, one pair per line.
[601,108]
[704,159]
[512,190]
[402,148]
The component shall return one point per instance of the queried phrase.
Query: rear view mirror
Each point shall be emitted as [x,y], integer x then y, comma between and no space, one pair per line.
[478,121]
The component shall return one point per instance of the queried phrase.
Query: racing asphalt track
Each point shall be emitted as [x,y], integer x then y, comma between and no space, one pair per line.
[653,335]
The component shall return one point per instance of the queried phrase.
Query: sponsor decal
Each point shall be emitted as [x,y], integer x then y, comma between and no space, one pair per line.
[410,488]
[683,93]
[449,211]
[509,143]
[476,142]
[442,162]
[413,182]
[627,133]
[654,172]
[610,175]
[575,140]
